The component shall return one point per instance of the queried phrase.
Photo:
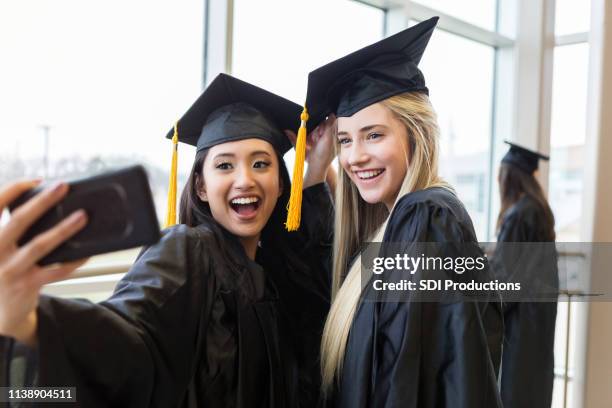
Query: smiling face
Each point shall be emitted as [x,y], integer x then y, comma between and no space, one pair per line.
[374,153]
[241,184]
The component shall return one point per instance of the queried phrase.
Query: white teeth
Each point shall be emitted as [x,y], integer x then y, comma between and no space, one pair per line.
[368,174]
[245,200]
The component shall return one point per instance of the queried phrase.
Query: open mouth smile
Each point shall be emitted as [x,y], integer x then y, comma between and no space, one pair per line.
[367,176]
[245,207]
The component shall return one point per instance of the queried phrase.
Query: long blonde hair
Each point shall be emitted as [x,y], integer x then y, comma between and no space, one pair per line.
[357,222]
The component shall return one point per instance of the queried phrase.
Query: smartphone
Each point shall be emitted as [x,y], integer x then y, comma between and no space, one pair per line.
[120,211]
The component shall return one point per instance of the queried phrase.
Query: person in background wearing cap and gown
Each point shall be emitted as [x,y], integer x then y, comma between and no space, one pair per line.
[527,371]
[396,354]
[227,309]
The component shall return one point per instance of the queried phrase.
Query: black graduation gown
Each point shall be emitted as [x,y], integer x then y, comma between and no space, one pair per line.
[527,372]
[194,323]
[425,355]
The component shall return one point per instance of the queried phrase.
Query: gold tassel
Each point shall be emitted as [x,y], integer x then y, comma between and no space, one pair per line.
[171,209]
[294,211]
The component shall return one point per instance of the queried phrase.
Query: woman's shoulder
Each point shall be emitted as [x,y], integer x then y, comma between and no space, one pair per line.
[205,231]
[524,205]
[525,210]
[180,241]
[525,220]
[432,212]
[431,199]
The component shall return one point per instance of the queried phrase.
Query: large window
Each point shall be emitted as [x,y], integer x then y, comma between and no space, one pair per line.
[88,86]
[278,54]
[277,50]
[92,85]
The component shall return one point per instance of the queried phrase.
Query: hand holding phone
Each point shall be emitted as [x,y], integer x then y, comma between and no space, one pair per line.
[61,225]
[20,276]
[120,209]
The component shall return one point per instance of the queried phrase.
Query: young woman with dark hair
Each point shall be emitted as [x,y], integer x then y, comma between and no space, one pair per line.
[525,252]
[227,309]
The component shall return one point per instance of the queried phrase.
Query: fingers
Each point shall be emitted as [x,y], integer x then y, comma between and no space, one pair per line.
[55,273]
[313,136]
[10,193]
[26,214]
[293,138]
[37,248]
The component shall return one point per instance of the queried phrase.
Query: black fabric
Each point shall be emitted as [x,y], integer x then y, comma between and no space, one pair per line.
[423,354]
[305,297]
[523,158]
[369,75]
[5,350]
[230,109]
[527,372]
[177,332]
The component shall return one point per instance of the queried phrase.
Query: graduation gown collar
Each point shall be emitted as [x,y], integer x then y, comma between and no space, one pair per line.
[250,278]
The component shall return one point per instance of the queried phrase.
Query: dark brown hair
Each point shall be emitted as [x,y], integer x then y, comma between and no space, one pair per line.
[514,183]
[192,210]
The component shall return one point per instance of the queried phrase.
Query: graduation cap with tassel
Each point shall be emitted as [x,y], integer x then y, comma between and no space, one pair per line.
[229,110]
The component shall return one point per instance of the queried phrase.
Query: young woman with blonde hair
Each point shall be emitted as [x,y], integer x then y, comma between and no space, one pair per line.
[392,353]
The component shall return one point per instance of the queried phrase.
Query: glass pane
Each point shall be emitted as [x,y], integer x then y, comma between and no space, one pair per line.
[478,12]
[568,129]
[572,16]
[578,312]
[92,85]
[278,56]
[462,97]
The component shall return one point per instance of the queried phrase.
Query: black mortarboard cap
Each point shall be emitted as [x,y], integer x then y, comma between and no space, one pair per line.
[523,158]
[230,109]
[369,75]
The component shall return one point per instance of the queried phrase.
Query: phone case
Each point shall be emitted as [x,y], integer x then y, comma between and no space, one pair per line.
[120,210]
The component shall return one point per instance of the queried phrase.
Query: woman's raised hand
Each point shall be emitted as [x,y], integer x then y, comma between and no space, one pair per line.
[320,151]
[20,277]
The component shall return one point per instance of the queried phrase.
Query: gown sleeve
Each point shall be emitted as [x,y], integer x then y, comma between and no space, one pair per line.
[137,348]
[305,276]
[5,344]
[432,354]
[304,286]
[316,234]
